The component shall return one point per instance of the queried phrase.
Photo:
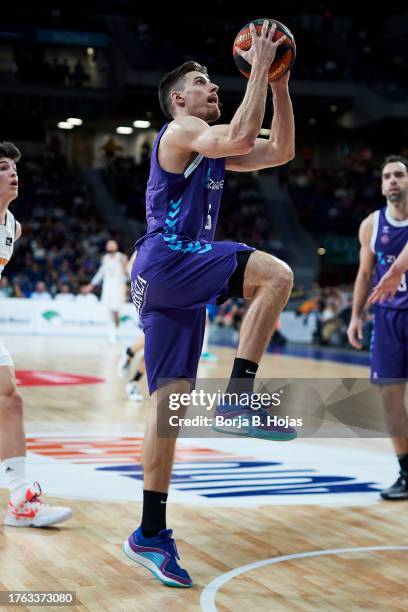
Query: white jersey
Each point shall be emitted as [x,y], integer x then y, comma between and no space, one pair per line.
[111,270]
[7,239]
[112,274]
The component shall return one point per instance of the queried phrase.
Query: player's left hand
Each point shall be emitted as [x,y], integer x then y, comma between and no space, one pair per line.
[387,287]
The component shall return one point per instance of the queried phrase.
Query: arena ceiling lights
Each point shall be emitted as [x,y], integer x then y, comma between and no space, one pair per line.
[75,121]
[124,130]
[139,123]
[64,125]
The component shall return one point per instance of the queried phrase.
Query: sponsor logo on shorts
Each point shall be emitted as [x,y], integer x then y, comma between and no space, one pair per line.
[138,290]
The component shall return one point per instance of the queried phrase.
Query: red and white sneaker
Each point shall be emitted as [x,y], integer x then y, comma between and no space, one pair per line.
[32,512]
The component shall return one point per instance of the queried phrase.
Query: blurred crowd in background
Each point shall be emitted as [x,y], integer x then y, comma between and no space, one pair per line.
[64,238]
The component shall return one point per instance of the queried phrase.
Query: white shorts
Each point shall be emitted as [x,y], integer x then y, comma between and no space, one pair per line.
[5,357]
[113,297]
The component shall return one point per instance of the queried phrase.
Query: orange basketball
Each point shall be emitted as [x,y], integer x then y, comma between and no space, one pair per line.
[285,53]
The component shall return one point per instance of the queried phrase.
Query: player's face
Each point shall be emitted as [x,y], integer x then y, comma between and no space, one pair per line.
[394,183]
[200,97]
[8,180]
[111,246]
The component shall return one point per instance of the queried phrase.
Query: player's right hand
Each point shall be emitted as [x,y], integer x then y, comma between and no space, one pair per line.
[387,287]
[263,49]
[355,332]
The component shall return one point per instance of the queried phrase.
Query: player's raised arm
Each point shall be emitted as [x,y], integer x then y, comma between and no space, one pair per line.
[279,148]
[189,133]
[362,283]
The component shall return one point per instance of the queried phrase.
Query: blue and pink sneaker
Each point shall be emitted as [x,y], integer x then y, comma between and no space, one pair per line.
[159,555]
[237,420]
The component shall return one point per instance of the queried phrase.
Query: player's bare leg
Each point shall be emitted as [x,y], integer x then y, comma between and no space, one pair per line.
[128,355]
[138,345]
[24,508]
[157,459]
[132,387]
[393,397]
[158,453]
[12,436]
[267,282]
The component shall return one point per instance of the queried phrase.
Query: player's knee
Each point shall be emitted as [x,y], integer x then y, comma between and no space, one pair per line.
[11,403]
[280,277]
[286,276]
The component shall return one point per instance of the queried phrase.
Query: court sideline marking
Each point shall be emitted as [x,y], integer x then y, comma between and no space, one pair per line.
[207,599]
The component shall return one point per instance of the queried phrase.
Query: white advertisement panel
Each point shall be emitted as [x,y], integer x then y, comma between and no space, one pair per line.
[52,317]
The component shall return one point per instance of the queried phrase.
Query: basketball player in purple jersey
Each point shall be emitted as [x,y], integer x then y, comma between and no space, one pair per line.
[179,268]
[391,281]
[383,237]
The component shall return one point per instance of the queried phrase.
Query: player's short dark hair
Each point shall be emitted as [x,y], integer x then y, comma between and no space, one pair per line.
[395,158]
[173,78]
[8,149]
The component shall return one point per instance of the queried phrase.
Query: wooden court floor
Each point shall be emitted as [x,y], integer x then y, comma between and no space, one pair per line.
[84,554]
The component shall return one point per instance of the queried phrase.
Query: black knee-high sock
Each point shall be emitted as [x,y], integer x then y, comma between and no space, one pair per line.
[242,376]
[154,513]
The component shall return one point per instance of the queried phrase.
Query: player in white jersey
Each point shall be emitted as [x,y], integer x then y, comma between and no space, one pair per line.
[112,274]
[25,509]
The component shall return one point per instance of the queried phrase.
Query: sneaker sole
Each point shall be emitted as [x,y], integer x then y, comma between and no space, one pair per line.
[10,521]
[278,437]
[140,560]
[394,497]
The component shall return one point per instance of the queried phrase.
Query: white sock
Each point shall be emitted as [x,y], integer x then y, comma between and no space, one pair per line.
[14,473]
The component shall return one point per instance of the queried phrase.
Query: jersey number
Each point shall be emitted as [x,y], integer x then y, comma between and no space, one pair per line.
[403,285]
[208,224]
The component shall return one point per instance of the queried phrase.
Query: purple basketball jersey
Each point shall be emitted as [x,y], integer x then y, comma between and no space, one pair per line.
[388,239]
[184,207]
[179,268]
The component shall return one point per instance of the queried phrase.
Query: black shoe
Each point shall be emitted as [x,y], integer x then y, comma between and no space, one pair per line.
[399,490]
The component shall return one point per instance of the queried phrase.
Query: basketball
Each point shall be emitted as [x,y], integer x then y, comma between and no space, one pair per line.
[285,53]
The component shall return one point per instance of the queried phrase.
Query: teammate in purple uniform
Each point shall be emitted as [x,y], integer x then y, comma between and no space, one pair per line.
[391,281]
[383,236]
[179,268]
